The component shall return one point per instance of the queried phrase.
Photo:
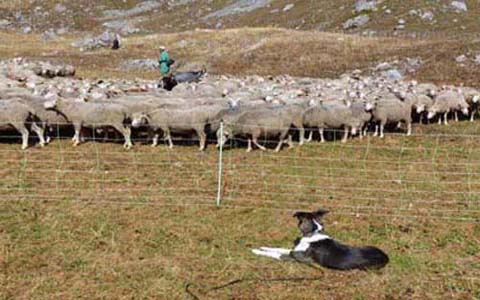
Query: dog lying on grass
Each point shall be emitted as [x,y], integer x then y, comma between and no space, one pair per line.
[315,247]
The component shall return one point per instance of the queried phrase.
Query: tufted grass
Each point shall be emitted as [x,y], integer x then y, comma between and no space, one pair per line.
[99,222]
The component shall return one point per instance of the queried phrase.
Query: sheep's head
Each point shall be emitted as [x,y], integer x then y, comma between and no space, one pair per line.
[50,104]
[221,139]
[311,102]
[476,99]
[353,131]
[233,103]
[401,95]
[432,111]
[465,111]
[268,99]
[140,119]
[369,106]
[420,108]
[227,133]
[351,94]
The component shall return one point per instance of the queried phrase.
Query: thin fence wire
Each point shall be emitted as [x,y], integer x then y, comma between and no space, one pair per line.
[431,176]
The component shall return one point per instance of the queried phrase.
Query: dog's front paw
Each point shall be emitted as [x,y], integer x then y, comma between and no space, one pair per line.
[276,250]
[266,253]
[258,252]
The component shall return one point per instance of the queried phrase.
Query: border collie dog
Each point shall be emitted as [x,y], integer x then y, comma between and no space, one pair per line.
[317,247]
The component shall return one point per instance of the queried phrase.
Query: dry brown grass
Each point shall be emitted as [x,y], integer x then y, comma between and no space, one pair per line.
[263,51]
[99,222]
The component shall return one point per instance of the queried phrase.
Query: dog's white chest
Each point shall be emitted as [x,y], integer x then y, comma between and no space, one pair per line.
[302,246]
[306,241]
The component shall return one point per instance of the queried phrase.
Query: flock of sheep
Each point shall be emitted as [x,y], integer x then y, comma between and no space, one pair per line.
[45,98]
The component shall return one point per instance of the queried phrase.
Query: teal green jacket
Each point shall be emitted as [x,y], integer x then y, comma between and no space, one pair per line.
[163,62]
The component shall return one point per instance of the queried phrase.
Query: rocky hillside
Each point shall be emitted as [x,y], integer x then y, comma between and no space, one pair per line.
[427,40]
[369,17]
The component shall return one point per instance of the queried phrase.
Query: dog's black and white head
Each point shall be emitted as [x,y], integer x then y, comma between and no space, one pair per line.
[310,223]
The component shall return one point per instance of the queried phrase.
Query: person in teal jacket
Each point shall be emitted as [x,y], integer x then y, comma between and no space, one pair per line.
[164,62]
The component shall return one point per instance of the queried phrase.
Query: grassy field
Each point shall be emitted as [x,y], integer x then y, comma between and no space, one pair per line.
[97,222]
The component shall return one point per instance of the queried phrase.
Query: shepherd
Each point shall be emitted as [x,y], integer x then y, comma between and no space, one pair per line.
[165,61]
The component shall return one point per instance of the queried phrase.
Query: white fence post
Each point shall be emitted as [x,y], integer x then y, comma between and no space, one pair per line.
[220,165]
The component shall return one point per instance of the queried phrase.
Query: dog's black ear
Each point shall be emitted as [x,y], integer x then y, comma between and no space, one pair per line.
[302,215]
[320,213]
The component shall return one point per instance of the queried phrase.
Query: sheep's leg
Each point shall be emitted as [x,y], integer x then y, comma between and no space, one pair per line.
[290,142]
[456,115]
[249,147]
[168,137]
[322,137]
[127,134]
[281,141]
[203,139]
[365,130]
[439,120]
[409,128]
[310,136]
[155,139]
[255,142]
[76,136]
[302,136]
[445,118]
[24,132]
[47,135]
[345,134]
[82,135]
[46,130]
[399,125]
[40,133]
[424,115]
[472,116]
[376,130]
[382,127]
[279,145]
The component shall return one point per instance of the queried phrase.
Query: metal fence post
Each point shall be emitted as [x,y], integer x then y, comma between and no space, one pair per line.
[220,165]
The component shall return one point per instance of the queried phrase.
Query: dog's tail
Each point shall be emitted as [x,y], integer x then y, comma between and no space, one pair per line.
[376,258]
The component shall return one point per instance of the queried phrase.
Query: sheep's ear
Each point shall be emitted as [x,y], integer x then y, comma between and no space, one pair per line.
[320,213]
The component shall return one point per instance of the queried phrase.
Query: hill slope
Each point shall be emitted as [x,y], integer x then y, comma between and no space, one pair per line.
[265,51]
[433,17]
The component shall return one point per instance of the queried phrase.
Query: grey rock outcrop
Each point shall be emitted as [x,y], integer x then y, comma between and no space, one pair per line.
[356,22]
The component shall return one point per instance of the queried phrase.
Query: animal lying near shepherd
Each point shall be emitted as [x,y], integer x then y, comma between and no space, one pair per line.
[315,247]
